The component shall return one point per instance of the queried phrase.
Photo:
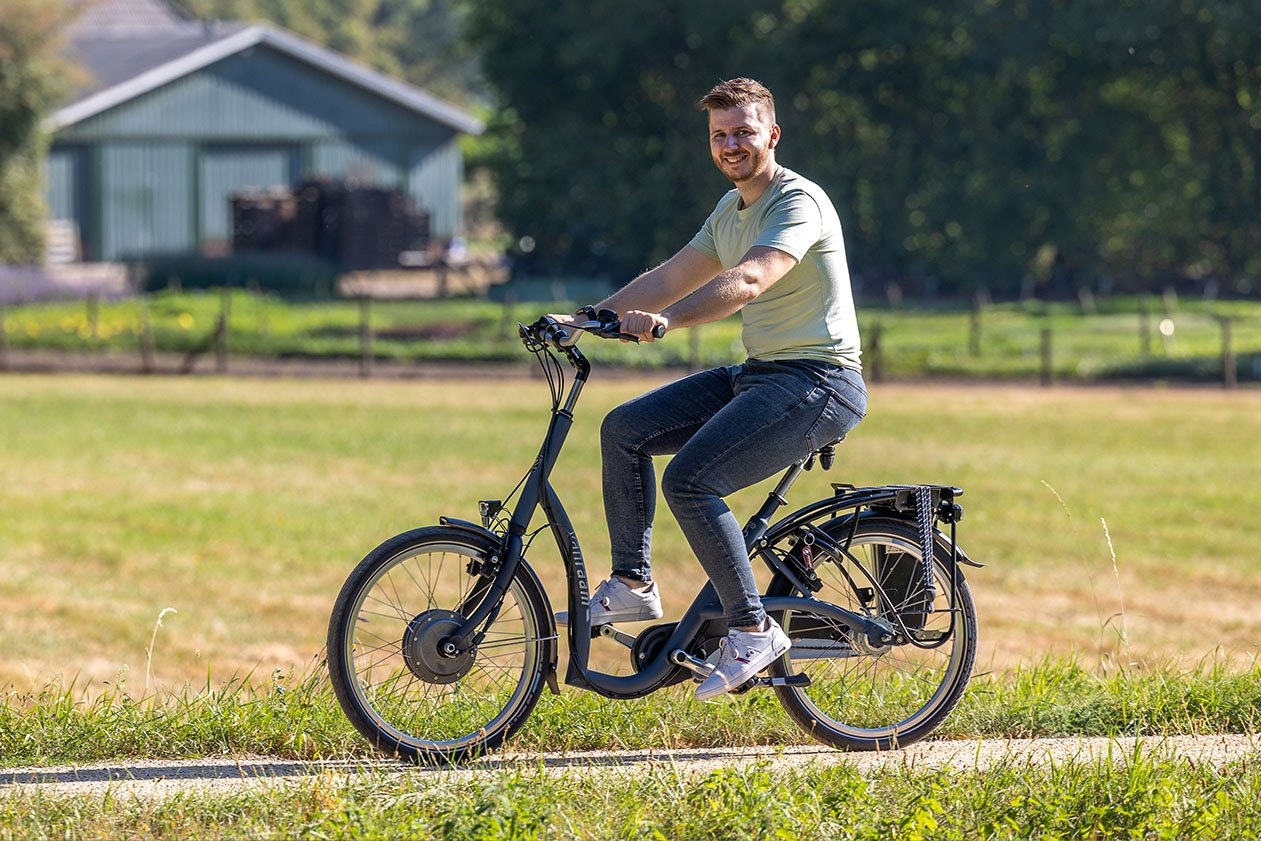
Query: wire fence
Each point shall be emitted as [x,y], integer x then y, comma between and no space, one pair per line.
[233,330]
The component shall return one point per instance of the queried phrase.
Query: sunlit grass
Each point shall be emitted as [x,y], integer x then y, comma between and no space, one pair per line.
[243,505]
[1181,340]
[1146,793]
[297,717]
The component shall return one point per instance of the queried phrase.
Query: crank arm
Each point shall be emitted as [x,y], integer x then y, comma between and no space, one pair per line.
[609,632]
[603,631]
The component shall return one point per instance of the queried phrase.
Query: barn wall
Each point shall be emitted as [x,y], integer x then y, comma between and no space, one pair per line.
[153,175]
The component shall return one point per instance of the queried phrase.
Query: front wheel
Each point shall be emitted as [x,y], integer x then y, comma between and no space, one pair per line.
[389,670]
[876,697]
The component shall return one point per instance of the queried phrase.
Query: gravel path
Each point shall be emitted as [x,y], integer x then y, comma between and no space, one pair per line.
[166,778]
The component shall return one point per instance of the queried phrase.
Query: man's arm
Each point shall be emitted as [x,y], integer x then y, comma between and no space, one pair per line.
[658,288]
[722,296]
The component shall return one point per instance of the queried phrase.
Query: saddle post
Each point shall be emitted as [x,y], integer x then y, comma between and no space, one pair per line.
[777,498]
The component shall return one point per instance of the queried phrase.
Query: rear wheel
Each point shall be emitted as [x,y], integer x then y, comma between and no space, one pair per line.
[875,697]
[386,657]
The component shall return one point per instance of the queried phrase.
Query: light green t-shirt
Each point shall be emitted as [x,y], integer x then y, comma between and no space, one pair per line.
[809,312]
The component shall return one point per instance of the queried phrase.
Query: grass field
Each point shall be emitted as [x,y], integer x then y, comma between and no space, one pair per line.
[1115,338]
[1148,795]
[1118,524]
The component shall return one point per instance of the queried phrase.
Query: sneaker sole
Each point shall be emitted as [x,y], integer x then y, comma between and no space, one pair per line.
[743,677]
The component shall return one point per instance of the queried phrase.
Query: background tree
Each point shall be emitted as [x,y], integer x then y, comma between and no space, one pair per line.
[30,83]
[1017,146]
[601,158]
[1011,145]
[416,40]
[1191,75]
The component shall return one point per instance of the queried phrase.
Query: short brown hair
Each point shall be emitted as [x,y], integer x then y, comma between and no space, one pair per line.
[734,93]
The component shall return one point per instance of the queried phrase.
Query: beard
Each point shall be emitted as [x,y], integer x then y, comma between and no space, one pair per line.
[753,163]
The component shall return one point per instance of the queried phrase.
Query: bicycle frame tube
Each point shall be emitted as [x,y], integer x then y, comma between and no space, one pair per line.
[537,491]
[705,609]
[534,489]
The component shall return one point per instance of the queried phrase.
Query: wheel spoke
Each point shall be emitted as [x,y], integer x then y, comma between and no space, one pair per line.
[879,695]
[408,693]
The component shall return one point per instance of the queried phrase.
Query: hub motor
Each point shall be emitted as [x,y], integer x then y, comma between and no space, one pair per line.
[422,647]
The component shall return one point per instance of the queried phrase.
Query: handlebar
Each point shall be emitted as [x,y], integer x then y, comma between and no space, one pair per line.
[605,325]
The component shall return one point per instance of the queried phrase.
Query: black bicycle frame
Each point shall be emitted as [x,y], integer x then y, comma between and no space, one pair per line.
[537,492]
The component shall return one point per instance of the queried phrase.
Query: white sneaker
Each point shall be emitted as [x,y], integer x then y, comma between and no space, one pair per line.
[741,655]
[614,601]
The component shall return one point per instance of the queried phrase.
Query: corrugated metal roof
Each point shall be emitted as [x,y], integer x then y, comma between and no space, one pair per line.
[114,59]
[96,17]
[127,57]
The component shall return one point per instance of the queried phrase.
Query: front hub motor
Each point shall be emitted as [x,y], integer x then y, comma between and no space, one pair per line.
[423,645]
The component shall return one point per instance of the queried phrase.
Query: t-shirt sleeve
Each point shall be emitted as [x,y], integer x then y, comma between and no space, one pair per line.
[793,224]
[704,239]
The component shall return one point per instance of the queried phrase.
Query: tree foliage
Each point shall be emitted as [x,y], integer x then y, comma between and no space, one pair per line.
[30,83]
[967,143]
[1007,145]
[416,40]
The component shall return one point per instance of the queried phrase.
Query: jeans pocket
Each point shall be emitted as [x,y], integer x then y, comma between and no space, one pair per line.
[850,390]
[835,421]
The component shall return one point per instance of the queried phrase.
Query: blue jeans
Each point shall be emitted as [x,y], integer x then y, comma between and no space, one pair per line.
[729,428]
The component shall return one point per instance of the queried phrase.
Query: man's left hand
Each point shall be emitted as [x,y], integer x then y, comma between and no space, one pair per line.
[641,324]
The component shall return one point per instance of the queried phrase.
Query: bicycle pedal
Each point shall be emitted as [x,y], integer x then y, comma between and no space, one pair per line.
[800,680]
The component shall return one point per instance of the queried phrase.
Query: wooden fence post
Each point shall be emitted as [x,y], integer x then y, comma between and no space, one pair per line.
[1048,371]
[876,352]
[221,330]
[974,326]
[146,340]
[365,336]
[1229,373]
[4,340]
[1144,325]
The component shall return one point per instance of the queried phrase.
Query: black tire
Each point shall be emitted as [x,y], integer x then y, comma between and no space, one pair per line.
[865,698]
[383,648]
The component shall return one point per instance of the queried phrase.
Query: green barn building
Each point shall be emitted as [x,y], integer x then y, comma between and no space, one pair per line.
[178,115]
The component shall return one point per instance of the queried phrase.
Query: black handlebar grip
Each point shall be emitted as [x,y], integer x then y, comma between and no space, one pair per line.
[658,331]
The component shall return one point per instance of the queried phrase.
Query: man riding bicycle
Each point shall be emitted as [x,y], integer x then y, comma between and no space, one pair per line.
[772,250]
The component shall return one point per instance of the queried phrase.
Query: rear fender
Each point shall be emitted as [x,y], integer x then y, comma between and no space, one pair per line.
[838,527]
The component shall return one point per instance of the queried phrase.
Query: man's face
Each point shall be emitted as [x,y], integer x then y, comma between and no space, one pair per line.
[740,140]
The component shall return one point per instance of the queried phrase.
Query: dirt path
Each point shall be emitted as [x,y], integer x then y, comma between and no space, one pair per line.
[165,778]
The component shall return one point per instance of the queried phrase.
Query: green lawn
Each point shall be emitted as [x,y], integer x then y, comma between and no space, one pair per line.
[1176,340]
[1120,598]
[243,504]
[1150,794]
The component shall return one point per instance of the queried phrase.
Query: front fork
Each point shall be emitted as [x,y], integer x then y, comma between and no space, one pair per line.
[489,597]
